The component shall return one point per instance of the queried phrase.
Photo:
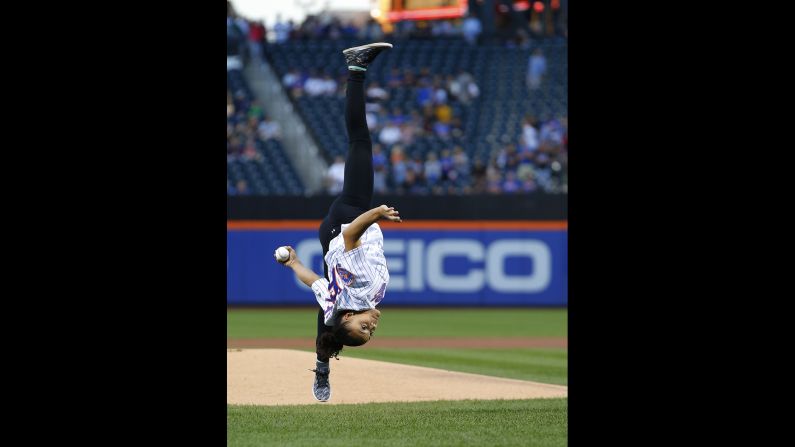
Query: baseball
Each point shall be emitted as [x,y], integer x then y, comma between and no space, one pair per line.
[281,254]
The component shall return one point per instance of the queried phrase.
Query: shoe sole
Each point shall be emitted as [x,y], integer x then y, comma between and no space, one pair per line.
[369,45]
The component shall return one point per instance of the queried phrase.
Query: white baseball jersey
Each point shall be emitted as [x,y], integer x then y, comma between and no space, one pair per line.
[357,278]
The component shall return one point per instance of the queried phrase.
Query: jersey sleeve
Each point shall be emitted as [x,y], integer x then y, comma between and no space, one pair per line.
[324,299]
[320,288]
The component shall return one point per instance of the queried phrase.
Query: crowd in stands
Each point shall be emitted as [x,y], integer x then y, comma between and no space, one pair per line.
[534,160]
[245,124]
[257,163]
[536,163]
[327,27]
[249,37]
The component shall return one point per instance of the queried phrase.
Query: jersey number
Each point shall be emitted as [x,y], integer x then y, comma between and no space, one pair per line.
[333,287]
[380,295]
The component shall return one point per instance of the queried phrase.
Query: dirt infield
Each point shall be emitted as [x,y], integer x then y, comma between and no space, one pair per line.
[436,342]
[283,377]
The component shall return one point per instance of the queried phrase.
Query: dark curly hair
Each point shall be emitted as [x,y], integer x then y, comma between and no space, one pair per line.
[329,344]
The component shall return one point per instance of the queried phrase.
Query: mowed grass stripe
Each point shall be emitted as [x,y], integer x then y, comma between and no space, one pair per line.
[539,422]
[416,323]
[538,365]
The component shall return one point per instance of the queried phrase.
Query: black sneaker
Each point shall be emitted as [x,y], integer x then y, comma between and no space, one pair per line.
[358,58]
[321,388]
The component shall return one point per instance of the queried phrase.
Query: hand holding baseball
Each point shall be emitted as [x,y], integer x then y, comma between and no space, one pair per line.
[285,255]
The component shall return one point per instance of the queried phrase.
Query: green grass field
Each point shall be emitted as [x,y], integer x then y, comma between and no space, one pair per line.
[538,422]
[418,323]
[461,423]
[546,365]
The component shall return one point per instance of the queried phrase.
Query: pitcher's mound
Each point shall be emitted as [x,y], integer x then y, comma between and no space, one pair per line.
[283,377]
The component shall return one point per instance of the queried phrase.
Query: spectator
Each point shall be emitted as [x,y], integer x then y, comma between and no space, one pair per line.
[314,85]
[442,130]
[460,160]
[379,169]
[329,85]
[525,169]
[233,147]
[242,188]
[250,152]
[493,179]
[377,93]
[412,184]
[424,77]
[371,116]
[478,174]
[383,118]
[409,79]
[243,27]
[424,94]
[415,118]
[282,30]
[379,180]
[349,30]
[552,132]
[463,87]
[256,36]
[407,133]
[522,39]
[433,169]
[457,130]
[394,79]
[543,177]
[536,69]
[510,185]
[446,162]
[379,159]
[416,165]
[372,31]
[336,175]
[390,134]
[444,113]
[293,83]
[512,158]
[269,129]
[397,116]
[404,29]
[453,86]
[439,93]
[334,30]
[529,139]
[397,155]
[442,28]
[428,118]
[529,185]
[399,168]
[471,29]
[255,111]
[240,102]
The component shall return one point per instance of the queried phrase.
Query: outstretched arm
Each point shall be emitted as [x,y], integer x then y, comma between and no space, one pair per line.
[306,276]
[357,228]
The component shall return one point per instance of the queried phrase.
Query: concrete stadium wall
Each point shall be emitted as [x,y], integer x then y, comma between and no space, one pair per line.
[537,206]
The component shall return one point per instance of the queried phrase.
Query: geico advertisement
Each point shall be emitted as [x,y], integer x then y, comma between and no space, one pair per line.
[426,267]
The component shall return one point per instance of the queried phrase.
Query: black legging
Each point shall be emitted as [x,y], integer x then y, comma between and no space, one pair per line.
[357,189]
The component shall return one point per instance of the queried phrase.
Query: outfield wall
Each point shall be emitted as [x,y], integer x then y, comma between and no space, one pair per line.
[431,262]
